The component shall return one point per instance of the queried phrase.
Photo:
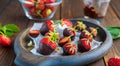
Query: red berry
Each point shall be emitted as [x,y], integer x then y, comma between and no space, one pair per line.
[40,6]
[84,45]
[114,62]
[49,1]
[48,42]
[46,12]
[70,49]
[46,46]
[41,2]
[50,25]
[51,7]
[93,31]
[64,40]
[32,11]
[86,34]
[5,40]
[47,26]
[69,32]
[29,6]
[67,22]
[45,40]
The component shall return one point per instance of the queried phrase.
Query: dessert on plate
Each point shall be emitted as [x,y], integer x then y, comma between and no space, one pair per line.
[62,37]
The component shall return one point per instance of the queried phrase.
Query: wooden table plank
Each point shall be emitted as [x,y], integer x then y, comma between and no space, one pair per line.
[71,9]
[116,6]
[112,19]
[4,4]
[99,62]
[13,13]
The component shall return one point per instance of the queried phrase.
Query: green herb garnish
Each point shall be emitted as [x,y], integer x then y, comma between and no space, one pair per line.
[114,31]
[8,29]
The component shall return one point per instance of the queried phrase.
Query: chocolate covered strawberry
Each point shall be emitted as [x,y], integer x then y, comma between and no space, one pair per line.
[46,46]
[84,45]
[86,34]
[93,31]
[80,26]
[47,26]
[70,49]
[53,35]
[34,33]
[48,43]
[69,32]
[64,40]
[66,22]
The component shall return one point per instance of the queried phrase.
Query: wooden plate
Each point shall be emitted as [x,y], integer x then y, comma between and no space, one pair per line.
[25,58]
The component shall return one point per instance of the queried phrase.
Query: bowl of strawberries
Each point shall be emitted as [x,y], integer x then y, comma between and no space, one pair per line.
[40,9]
[62,43]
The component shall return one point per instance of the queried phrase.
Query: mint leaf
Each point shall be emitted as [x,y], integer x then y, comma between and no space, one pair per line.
[11,28]
[9,33]
[8,29]
[114,31]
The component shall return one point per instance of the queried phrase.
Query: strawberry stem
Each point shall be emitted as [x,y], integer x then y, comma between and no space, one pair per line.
[2,33]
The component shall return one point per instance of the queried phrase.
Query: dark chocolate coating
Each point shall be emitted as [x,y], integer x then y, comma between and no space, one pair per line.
[81,48]
[44,29]
[45,49]
[67,33]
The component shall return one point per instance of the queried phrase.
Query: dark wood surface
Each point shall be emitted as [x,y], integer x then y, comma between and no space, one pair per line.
[11,12]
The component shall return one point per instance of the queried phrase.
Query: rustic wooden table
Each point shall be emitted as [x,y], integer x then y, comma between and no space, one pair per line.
[11,12]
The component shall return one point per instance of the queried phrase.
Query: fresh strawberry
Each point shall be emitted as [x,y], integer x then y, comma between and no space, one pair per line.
[29,5]
[34,33]
[51,7]
[80,26]
[84,45]
[69,32]
[5,40]
[32,11]
[47,46]
[64,40]
[67,22]
[70,49]
[41,2]
[47,41]
[46,12]
[114,62]
[49,1]
[93,31]
[40,6]
[86,34]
